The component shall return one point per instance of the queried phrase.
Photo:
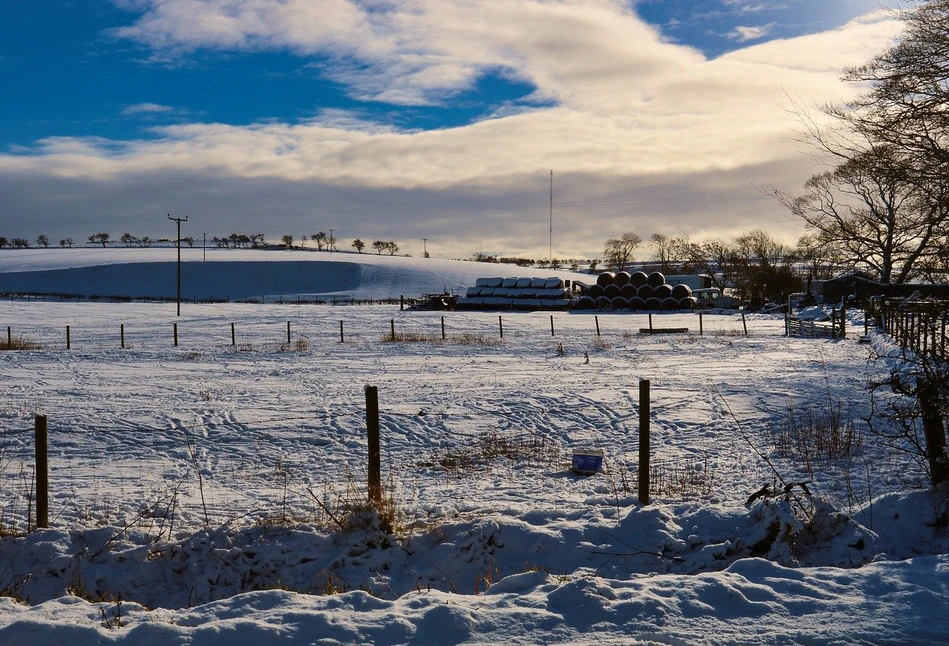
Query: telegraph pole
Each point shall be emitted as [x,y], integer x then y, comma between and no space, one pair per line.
[331,241]
[179,221]
[204,246]
[425,247]
[550,255]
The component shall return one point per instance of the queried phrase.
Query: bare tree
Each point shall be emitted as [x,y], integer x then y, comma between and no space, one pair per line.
[358,245]
[619,251]
[871,210]
[287,240]
[42,241]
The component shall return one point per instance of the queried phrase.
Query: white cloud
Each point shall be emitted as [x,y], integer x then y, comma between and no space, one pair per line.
[747,34]
[146,108]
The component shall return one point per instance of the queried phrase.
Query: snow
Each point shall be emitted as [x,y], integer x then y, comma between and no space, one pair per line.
[194,487]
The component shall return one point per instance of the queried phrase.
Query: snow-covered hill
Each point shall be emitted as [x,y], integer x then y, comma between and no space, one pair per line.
[239,274]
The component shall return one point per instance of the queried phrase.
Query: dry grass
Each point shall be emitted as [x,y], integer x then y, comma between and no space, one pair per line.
[816,435]
[482,450]
[465,338]
[19,343]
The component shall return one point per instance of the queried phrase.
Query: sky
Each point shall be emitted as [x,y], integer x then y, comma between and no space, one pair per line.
[508,127]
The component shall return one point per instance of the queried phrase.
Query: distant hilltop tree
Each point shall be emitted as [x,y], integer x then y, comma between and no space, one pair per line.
[287,240]
[66,242]
[42,241]
[20,243]
[99,238]
[319,238]
[358,245]
[3,242]
[128,239]
[385,245]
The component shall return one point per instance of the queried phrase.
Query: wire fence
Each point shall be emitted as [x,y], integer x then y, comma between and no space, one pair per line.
[306,333]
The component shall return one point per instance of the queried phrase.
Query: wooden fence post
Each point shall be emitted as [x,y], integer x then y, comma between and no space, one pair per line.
[500,326]
[392,329]
[288,332]
[68,340]
[42,472]
[9,338]
[341,332]
[644,441]
[122,334]
[375,455]
[701,328]
[443,327]
[176,334]
[596,319]
[843,322]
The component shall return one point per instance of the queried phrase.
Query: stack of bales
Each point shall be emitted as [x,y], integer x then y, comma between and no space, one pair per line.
[636,291]
[516,294]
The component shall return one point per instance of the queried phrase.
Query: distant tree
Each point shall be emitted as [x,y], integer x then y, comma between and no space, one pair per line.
[319,239]
[257,240]
[359,245]
[593,265]
[20,243]
[391,247]
[99,238]
[379,246]
[220,242]
[145,241]
[3,242]
[331,242]
[243,240]
[188,241]
[128,239]
[669,252]
[42,241]
[619,251]
[235,239]
[287,240]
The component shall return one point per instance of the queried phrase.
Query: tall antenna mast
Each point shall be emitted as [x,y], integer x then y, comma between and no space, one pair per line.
[550,252]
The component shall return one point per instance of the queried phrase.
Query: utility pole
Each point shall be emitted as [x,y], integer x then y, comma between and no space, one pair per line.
[204,246]
[179,221]
[425,247]
[332,240]
[550,253]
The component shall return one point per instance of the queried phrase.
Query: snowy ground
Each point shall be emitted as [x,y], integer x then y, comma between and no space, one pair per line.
[195,489]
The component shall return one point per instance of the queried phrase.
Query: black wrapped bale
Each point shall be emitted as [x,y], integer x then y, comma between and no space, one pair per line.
[646,291]
[619,303]
[653,304]
[688,303]
[584,303]
[606,278]
[681,291]
[670,304]
[595,291]
[621,278]
[655,279]
[628,292]
[663,291]
[603,303]
[638,278]
[637,303]
[612,291]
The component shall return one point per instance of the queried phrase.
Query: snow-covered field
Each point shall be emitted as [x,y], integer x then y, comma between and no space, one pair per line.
[197,490]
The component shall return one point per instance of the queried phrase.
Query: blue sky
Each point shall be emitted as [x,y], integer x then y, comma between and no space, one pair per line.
[434,119]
